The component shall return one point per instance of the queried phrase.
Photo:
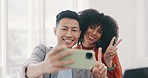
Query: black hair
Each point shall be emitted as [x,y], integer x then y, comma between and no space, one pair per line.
[67,14]
[88,17]
[107,24]
[110,30]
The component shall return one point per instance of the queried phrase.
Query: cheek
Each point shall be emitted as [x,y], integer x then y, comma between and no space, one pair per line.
[99,36]
[89,31]
[77,36]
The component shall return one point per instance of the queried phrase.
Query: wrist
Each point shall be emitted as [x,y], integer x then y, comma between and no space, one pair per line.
[34,70]
[112,68]
[41,68]
[109,63]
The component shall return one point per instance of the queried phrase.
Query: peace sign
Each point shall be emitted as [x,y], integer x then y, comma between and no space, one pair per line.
[111,52]
[99,55]
[99,70]
[112,41]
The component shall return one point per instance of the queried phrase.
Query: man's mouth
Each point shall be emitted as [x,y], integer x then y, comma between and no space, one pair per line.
[67,41]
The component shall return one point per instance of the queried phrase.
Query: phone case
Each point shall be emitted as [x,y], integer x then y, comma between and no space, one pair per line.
[84,59]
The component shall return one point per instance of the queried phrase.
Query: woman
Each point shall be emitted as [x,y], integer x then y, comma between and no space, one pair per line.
[99,30]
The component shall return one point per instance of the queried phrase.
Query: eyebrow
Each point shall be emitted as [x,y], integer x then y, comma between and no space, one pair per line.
[99,27]
[72,26]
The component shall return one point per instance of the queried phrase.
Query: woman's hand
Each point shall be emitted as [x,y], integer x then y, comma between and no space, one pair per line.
[111,52]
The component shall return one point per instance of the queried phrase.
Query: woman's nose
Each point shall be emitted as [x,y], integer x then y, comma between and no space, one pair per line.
[95,31]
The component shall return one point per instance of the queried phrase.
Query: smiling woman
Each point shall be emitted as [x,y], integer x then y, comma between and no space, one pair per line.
[132,20]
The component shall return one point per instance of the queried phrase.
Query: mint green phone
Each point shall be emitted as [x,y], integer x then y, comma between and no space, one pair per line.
[84,59]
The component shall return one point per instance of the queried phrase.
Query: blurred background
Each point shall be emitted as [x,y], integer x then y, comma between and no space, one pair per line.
[26,23]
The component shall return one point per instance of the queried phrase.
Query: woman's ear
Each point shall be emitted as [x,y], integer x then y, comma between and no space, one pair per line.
[55,29]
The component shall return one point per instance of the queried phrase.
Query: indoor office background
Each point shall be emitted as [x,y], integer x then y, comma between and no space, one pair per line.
[26,23]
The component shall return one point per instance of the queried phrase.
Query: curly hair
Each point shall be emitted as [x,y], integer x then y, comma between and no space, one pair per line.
[110,29]
[107,23]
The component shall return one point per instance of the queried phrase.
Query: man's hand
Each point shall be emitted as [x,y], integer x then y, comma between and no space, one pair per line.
[52,62]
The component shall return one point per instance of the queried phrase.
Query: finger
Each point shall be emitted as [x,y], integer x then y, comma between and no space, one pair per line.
[94,70]
[113,50]
[67,62]
[112,53]
[117,42]
[100,55]
[62,63]
[61,55]
[56,50]
[103,69]
[97,64]
[112,41]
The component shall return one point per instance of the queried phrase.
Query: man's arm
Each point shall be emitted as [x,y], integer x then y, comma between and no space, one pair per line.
[50,64]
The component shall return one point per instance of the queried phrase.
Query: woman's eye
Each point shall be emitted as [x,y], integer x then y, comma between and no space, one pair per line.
[100,31]
[92,27]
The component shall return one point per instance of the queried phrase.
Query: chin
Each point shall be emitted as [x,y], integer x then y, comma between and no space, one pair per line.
[69,46]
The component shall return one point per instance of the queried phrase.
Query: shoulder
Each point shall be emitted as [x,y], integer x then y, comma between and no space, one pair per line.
[76,46]
[42,47]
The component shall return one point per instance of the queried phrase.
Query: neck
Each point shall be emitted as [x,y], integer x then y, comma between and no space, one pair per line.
[88,45]
[82,46]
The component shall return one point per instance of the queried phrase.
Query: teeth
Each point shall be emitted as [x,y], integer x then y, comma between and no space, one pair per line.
[68,41]
[91,37]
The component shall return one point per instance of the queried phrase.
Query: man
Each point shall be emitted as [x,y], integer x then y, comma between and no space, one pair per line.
[45,62]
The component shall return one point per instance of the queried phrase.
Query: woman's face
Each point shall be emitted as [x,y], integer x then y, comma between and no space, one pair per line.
[92,35]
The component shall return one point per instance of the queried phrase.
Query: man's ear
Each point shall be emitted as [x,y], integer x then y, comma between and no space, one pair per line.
[80,32]
[55,29]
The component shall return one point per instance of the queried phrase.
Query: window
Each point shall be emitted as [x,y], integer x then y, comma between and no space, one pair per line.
[28,23]
[146,20]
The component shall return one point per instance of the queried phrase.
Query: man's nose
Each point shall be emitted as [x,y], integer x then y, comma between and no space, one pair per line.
[69,33]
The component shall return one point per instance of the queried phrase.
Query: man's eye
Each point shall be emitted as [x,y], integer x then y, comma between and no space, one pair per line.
[75,30]
[63,29]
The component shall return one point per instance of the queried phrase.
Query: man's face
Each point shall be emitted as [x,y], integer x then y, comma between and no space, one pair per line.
[67,32]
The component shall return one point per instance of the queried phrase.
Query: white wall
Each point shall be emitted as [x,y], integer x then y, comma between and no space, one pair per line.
[130,15]
[0,32]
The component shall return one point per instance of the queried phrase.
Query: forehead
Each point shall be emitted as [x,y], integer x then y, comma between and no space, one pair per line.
[67,22]
[97,26]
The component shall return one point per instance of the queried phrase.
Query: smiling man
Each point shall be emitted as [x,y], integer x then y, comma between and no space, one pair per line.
[44,60]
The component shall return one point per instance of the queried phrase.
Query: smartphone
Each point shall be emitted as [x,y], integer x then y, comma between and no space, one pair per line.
[84,59]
